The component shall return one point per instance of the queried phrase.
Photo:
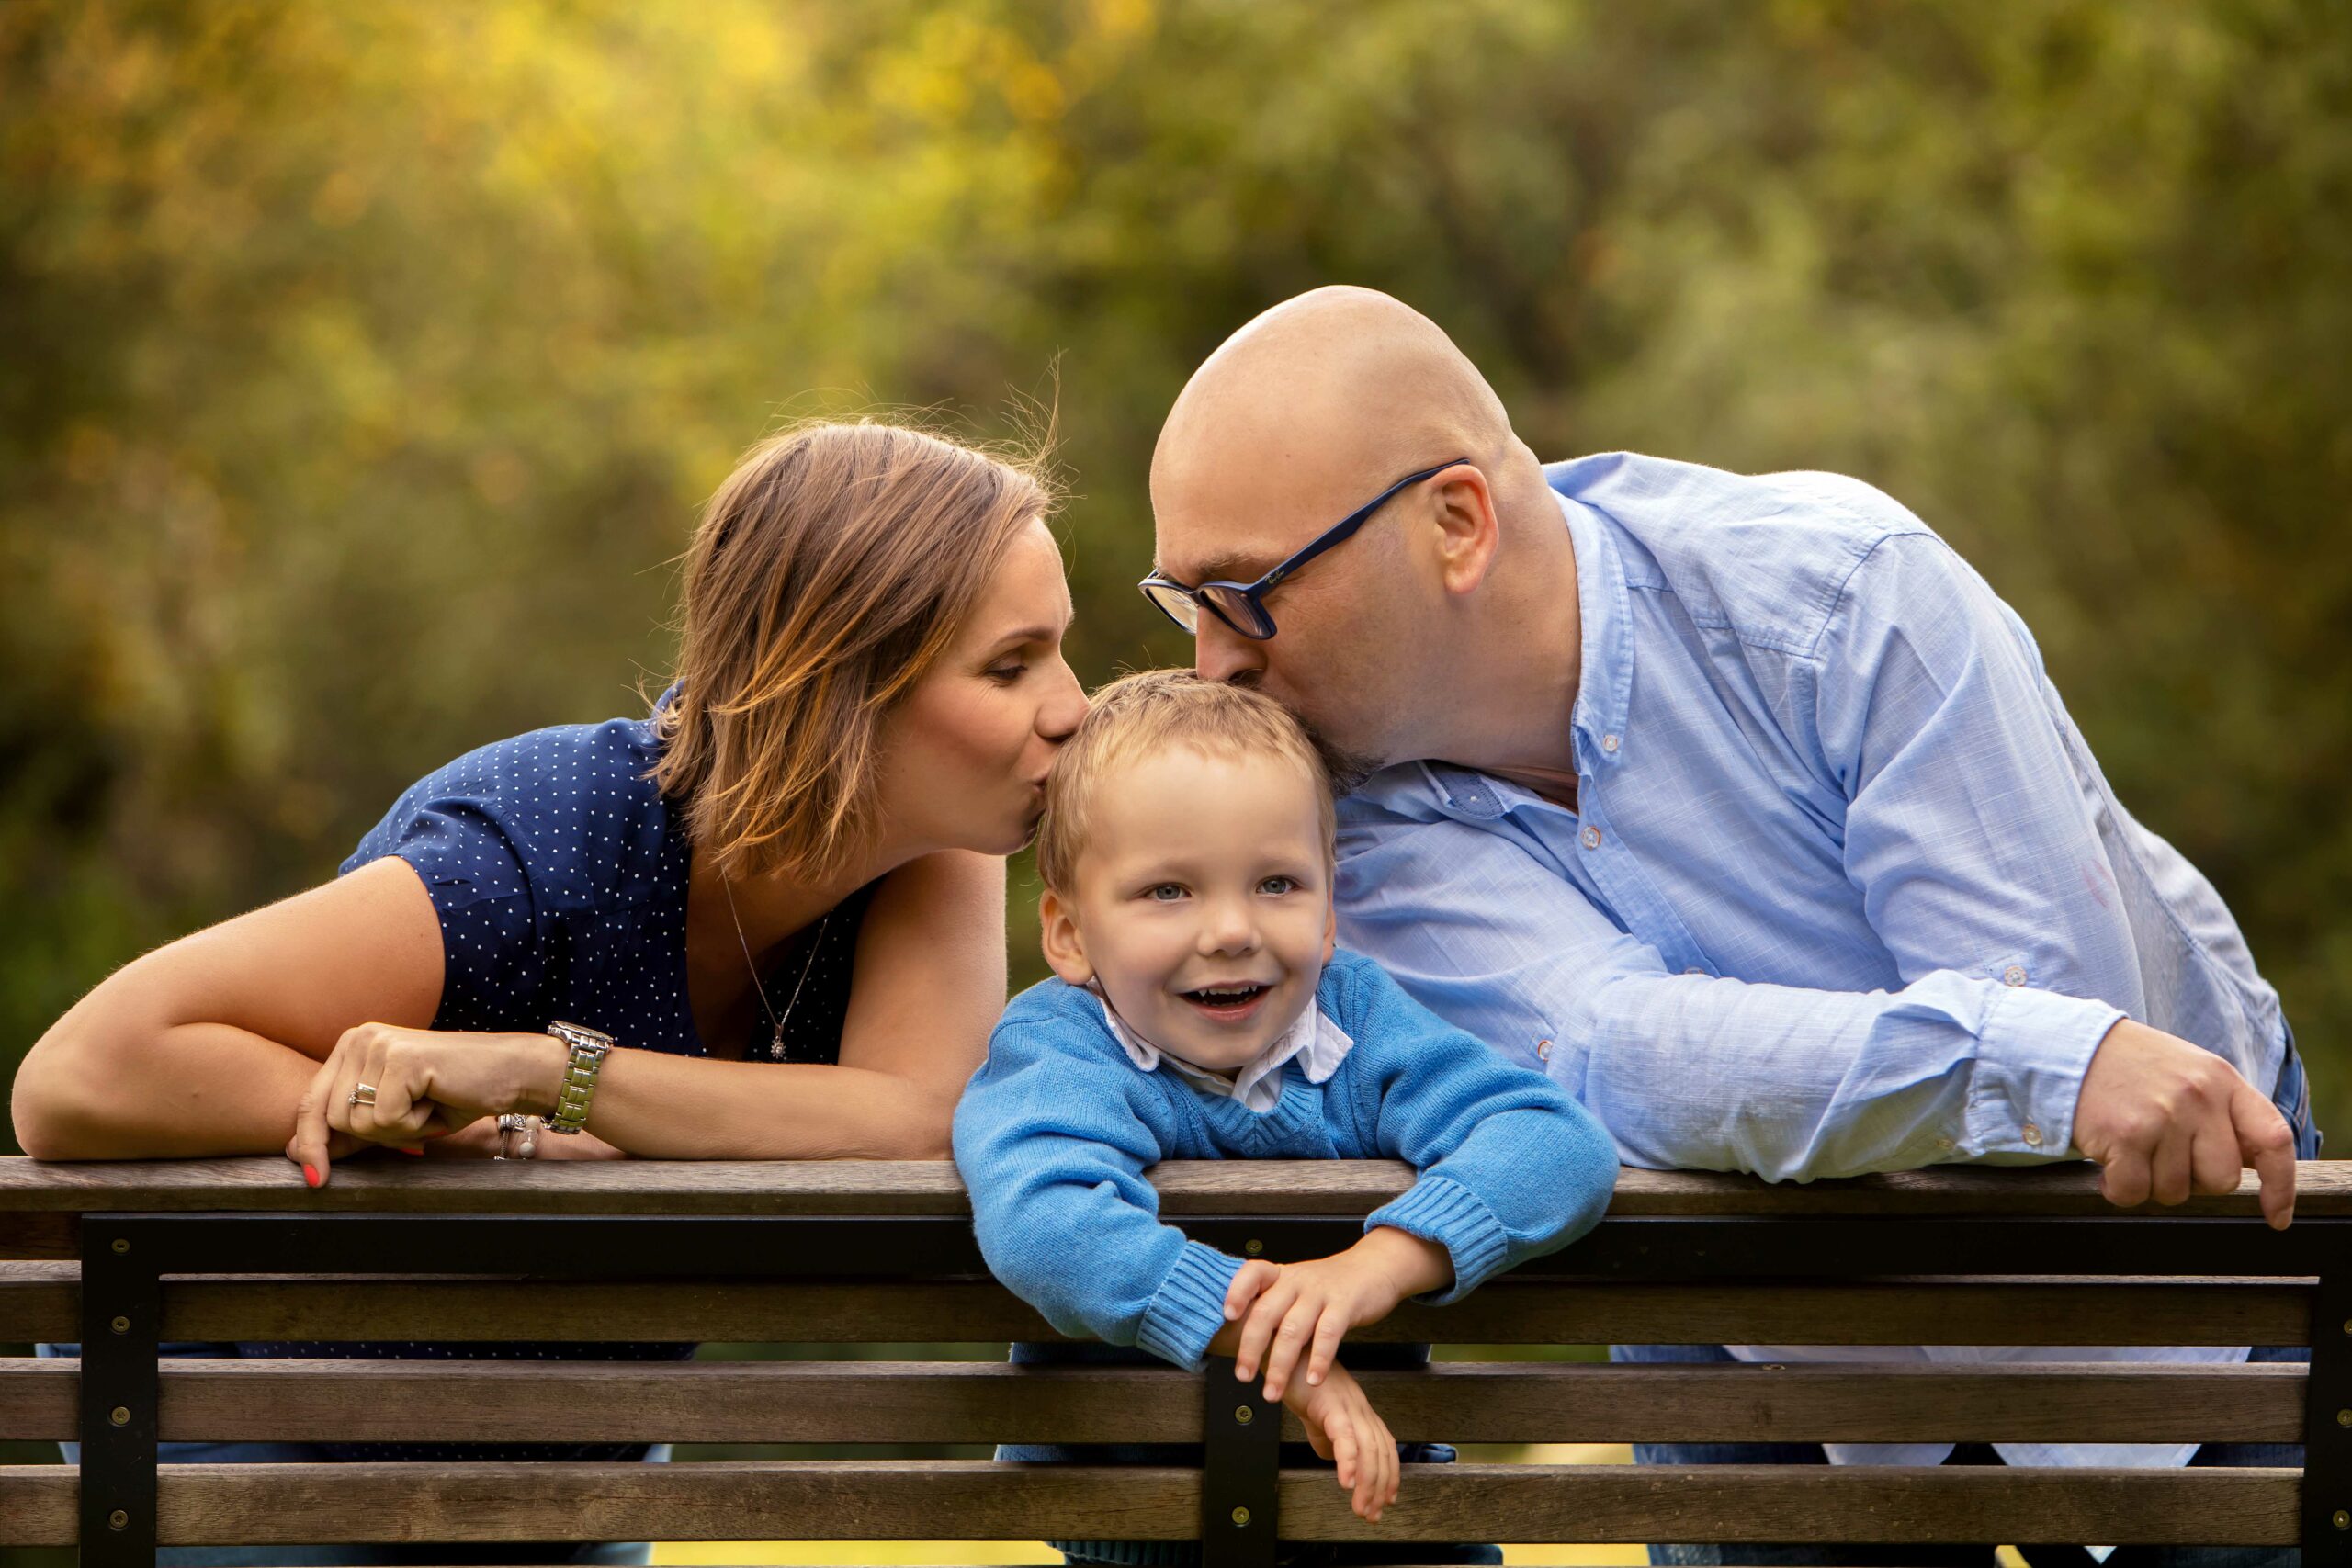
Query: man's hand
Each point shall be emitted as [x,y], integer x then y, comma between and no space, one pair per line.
[1296,1308]
[1342,1427]
[2167,1118]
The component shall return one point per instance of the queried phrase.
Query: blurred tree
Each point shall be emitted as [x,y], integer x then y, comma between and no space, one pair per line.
[364,365]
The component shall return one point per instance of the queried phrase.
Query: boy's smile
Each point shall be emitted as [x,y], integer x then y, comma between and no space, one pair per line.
[1202,905]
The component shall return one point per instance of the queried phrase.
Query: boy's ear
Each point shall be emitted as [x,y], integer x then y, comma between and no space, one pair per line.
[1064,948]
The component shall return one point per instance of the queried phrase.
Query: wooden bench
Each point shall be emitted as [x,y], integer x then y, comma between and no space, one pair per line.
[120,1257]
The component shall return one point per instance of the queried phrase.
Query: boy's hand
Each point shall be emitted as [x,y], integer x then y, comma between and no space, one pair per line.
[1342,1427]
[1307,1308]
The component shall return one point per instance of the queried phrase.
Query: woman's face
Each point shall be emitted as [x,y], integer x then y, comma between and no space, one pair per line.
[965,755]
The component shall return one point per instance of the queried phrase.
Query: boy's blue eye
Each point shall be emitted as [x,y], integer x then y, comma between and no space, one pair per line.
[1164,892]
[1275,887]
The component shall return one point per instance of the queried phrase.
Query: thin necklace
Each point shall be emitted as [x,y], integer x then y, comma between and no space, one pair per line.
[775,1042]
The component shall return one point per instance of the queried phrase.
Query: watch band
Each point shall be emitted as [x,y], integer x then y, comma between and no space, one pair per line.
[587,1047]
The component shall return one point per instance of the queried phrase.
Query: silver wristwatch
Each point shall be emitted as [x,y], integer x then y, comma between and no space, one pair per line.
[587,1047]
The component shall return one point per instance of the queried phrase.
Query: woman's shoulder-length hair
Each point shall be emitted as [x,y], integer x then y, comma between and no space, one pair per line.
[827,575]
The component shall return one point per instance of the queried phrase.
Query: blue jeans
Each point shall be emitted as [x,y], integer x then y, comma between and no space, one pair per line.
[2293,1099]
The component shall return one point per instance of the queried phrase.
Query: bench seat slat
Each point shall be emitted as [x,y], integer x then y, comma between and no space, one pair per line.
[40,1300]
[978,1500]
[851,1402]
[930,1187]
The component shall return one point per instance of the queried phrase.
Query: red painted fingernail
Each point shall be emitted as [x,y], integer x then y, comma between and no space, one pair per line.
[406,1150]
[310,1176]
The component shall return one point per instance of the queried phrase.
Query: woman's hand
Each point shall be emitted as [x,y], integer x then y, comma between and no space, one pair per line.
[429,1084]
[1307,1308]
[1342,1427]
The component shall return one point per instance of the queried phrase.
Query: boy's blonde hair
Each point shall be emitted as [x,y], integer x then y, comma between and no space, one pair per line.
[1145,713]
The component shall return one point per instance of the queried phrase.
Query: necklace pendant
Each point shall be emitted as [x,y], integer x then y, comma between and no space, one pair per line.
[775,1045]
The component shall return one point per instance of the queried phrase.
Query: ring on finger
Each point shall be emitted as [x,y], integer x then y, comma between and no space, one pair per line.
[363,1094]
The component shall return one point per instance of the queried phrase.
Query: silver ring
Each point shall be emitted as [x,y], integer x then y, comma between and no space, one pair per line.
[363,1094]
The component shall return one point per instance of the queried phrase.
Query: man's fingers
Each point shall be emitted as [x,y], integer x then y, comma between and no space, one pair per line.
[2267,1144]
[2169,1166]
[2214,1163]
[2125,1178]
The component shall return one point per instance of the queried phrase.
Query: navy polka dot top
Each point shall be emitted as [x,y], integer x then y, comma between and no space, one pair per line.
[558,872]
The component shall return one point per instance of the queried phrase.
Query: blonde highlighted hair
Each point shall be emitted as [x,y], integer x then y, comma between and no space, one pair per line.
[1140,713]
[828,574]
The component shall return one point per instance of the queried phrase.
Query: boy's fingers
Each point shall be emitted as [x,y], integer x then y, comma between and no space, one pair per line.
[1282,1357]
[1247,1281]
[1328,1331]
[1249,1354]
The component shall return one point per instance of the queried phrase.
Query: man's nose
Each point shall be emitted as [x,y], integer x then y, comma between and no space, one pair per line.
[1219,653]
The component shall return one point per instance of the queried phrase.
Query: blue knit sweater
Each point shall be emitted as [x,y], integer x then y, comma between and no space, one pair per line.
[1057,1126]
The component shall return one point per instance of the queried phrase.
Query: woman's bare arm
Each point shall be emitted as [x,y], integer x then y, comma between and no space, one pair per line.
[927,986]
[205,1046]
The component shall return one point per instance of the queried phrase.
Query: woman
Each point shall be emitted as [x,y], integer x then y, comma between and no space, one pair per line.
[781,896]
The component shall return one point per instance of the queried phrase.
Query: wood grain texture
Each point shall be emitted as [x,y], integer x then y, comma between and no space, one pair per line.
[1886,1505]
[1502,1312]
[28,1233]
[977,1500]
[874,1500]
[37,1503]
[41,1300]
[930,1187]
[897,1500]
[914,1401]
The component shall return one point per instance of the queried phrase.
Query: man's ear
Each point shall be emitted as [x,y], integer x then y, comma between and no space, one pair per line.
[1468,532]
[1064,948]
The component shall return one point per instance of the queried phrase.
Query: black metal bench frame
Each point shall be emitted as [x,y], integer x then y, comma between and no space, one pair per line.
[126,1256]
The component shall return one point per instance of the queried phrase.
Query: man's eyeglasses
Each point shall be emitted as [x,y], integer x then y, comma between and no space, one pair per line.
[1242,605]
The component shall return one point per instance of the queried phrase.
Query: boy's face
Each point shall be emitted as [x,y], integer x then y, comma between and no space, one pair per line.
[1202,904]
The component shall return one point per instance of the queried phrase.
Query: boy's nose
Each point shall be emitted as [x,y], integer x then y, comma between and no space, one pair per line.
[1226,927]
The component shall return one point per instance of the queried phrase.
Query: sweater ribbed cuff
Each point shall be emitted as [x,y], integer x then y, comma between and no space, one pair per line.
[1456,1219]
[1189,1307]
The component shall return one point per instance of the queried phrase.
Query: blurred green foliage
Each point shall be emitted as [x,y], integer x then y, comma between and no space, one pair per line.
[361,367]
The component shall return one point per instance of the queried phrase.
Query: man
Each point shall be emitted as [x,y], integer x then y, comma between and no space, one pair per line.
[1741,805]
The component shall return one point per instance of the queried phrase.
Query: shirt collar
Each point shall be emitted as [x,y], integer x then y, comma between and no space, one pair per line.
[1317,1043]
[1605,678]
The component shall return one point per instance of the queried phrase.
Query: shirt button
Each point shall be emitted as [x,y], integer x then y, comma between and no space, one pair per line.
[1608,743]
[2032,1135]
[1945,1144]
[1592,838]
[1543,1050]
[2013,976]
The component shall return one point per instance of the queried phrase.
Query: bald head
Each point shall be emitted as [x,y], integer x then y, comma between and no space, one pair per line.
[1336,388]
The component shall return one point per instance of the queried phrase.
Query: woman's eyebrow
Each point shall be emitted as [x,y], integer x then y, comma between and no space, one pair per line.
[1040,632]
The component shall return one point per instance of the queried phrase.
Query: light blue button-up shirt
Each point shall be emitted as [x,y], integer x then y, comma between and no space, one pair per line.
[1844,890]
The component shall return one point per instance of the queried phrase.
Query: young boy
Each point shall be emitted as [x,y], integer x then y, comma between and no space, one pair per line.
[1201,1012]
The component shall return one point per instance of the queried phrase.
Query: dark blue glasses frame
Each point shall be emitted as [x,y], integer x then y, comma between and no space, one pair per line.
[1241,605]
